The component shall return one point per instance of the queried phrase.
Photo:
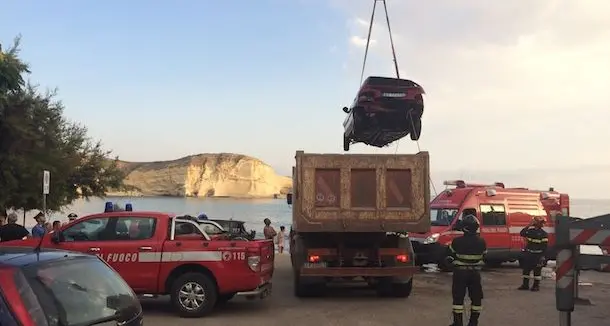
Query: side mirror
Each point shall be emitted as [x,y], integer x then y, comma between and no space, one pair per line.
[289,199]
[346,109]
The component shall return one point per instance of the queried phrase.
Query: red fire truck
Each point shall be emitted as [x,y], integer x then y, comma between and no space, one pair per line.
[503,212]
[158,254]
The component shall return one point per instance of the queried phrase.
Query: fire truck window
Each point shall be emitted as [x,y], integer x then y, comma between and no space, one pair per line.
[135,228]
[94,229]
[210,228]
[493,215]
[186,228]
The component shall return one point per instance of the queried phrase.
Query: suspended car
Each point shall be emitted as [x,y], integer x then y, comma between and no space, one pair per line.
[385,110]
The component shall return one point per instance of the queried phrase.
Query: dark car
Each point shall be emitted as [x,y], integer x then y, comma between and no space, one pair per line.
[385,110]
[236,229]
[60,288]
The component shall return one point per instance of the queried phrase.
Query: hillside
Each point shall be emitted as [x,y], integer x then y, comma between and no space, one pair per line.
[205,175]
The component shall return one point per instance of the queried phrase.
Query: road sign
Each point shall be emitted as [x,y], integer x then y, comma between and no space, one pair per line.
[46,182]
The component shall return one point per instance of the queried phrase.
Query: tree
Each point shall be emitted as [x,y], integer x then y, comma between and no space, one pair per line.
[35,136]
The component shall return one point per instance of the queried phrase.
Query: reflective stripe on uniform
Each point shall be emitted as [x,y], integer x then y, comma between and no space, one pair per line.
[458,308]
[461,263]
[527,277]
[476,308]
[534,251]
[470,257]
[538,278]
[538,240]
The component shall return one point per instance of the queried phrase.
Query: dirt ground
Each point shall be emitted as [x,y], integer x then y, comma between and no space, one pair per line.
[429,304]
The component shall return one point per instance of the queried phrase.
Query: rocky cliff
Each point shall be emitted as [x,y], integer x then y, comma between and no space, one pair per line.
[205,175]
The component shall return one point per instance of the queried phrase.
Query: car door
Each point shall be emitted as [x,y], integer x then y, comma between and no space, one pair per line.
[88,236]
[494,229]
[135,253]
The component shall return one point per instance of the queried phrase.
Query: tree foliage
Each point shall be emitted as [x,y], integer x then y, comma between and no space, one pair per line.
[35,136]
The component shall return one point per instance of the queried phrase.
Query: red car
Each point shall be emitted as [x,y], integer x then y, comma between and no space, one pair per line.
[385,110]
[55,288]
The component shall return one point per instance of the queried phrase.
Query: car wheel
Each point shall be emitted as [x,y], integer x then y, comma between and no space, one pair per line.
[346,144]
[415,128]
[194,295]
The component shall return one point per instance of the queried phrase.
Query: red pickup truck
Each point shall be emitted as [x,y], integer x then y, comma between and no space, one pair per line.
[160,254]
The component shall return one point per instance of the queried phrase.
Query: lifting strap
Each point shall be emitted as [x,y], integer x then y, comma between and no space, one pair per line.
[368,39]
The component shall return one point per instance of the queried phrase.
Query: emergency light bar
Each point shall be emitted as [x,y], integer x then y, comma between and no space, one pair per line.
[463,184]
[109,207]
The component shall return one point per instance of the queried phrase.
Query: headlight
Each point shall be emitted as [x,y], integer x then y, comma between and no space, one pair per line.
[432,238]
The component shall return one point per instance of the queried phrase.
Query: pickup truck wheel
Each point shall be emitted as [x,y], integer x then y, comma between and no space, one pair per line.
[193,295]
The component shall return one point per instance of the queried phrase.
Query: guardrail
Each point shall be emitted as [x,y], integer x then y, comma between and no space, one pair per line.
[570,233]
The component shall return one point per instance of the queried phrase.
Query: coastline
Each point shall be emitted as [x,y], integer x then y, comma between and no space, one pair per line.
[120,194]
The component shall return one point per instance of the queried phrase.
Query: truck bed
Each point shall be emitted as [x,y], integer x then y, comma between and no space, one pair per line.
[361,193]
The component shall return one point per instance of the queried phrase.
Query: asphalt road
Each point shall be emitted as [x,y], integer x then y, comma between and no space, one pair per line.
[429,304]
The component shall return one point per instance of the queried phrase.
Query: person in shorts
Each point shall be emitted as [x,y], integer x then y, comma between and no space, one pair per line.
[280,239]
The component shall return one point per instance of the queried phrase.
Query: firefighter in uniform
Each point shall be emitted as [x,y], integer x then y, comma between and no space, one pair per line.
[466,254]
[533,255]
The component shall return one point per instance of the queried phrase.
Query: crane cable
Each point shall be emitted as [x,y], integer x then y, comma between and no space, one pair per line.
[366,52]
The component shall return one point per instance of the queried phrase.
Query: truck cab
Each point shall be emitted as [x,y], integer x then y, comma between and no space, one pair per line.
[158,254]
[503,213]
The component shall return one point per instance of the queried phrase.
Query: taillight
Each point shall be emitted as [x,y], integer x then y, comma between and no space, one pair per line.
[314,259]
[402,258]
[254,262]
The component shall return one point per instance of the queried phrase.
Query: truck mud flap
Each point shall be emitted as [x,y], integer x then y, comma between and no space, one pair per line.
[359,271]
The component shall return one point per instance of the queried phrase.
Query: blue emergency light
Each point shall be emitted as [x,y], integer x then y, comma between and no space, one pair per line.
[109,207]
[128,207]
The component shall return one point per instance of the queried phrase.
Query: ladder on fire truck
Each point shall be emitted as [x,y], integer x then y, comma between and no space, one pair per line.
[570,234]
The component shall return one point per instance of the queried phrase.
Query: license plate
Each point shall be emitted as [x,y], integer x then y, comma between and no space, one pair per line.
[315,265]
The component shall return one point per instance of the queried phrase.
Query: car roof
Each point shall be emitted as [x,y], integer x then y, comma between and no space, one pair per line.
[25,256]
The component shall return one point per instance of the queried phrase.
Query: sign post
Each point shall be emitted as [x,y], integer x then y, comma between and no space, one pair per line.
[46,186]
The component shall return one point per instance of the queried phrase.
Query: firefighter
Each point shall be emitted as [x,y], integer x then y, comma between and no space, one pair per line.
[533,258]
[466,255]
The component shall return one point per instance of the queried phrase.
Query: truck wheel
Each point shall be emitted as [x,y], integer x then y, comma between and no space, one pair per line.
[193,295]
[396,290]
[306,290]
[224,298]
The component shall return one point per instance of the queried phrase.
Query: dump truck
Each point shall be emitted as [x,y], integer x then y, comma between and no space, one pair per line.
[351,218]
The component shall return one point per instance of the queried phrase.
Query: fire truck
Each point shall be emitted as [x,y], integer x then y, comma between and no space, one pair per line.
[503,212]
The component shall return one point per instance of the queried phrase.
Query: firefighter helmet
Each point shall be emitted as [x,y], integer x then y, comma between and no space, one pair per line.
[469,224]
[538,220]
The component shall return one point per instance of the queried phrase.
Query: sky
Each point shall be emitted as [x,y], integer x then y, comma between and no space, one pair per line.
[515,90]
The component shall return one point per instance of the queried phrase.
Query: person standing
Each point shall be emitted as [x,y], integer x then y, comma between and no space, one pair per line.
[466,254]
[269,231]
[71,218]
[280,239]
[12,230]
[56,226]
[536,242]
[39,230]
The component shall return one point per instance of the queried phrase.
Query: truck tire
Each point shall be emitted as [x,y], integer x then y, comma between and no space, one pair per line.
[306,290]
[416,128]
[396,290]
[193,295]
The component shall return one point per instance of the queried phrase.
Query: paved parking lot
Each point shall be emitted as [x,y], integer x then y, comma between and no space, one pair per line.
[429,304]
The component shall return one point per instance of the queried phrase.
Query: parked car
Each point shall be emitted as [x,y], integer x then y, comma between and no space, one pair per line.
[384,110]
[60,288]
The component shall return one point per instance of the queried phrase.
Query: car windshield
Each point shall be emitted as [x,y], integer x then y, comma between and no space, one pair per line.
[442,216]
[82,291]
